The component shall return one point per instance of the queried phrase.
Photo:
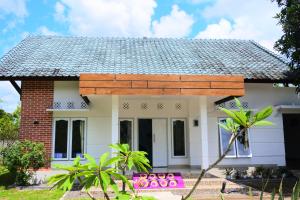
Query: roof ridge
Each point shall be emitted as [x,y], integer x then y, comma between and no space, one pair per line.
[142,37]
[269,52]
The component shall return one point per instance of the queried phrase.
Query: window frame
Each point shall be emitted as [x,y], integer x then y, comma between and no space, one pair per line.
[132,130]
[185,138]
[69,137]
[235,145]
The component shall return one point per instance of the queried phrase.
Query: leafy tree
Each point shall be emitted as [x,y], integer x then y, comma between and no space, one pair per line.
[237,123]
[9,126]
[127,159]
[289,43]
[22,156]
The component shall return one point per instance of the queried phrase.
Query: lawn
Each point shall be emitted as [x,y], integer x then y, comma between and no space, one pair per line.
[14,194]
[6,179]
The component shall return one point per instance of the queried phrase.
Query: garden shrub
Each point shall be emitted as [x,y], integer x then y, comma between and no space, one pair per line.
[22,158]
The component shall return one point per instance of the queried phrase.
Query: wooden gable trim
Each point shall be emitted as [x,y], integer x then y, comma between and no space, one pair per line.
[161,84]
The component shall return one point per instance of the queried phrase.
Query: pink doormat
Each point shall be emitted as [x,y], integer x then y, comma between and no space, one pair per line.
[157,180]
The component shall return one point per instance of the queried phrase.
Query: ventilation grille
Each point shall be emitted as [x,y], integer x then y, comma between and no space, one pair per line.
[125,106]
[232,105]
[144,106]
[69,105]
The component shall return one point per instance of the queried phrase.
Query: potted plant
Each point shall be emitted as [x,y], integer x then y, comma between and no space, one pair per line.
[228,172]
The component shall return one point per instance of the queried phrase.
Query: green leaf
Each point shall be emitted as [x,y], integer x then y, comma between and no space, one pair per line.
[110,161]
[91,160]
[232,115]
[263,114]
[263,123]
[103,159]
[238,103]
[225,127]
[273,195]
[296,191]
[105,180]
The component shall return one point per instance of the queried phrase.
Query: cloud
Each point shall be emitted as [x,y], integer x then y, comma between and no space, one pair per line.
[121,18]
[59,14]
[15,7]
[9,96]
[43,30]
[109,18]
[248,20]
[177,24]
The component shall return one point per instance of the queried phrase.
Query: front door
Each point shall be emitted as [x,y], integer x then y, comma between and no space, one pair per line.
[153,140]
[159,131]
[291,125]
[145,137]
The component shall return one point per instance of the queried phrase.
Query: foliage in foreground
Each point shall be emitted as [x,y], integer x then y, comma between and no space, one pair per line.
[128,159]
[237,123]
[101,174]
[21,157]
[294,195]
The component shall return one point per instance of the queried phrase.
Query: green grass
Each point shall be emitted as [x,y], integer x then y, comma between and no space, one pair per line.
[14,194]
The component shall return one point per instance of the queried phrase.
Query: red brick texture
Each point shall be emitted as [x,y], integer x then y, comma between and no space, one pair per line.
[36,122]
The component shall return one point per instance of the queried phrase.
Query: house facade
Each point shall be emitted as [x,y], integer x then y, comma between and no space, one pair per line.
[158,95]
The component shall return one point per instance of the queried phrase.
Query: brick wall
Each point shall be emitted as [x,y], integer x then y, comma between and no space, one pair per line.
[36,122]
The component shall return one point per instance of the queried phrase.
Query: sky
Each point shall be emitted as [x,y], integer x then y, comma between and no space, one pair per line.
[238,19]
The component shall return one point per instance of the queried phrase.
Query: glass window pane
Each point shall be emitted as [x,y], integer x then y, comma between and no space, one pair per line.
[126,132]
[241,150]
[225,138]
[178,138]
[61,139]
[78,128]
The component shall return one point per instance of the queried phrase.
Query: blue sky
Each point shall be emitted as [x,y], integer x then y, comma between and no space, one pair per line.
[239,19]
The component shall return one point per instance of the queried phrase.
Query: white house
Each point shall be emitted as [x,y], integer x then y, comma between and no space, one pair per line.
[81,94]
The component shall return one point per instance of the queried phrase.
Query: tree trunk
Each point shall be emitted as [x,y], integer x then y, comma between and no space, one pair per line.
[123,183]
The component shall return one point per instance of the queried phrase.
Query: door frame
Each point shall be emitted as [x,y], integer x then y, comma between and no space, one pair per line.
[167,134]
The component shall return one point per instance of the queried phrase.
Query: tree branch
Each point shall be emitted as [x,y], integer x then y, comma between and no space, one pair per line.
[203,171]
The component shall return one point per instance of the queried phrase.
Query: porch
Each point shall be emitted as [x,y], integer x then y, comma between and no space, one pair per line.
[164,115]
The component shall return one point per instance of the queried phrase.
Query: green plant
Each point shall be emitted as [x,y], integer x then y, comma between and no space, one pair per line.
[128,159]
[228,172]
[9,127]
[237,124]
[91,174]
[294,196]
[21,157]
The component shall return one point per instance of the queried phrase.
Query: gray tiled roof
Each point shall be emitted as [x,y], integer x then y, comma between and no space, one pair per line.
[69,56]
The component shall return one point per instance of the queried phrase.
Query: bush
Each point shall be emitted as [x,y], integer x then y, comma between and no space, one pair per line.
[23,157]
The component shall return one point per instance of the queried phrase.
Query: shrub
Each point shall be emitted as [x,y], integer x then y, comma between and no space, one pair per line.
[22,157]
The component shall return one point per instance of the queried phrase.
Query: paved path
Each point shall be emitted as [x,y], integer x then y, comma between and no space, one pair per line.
[162,195]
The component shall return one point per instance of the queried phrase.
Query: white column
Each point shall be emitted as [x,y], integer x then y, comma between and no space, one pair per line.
[114,119]
[204,131]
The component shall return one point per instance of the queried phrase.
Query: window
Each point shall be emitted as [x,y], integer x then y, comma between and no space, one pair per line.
[237,149]
[178,137]
[69,138]
[126,129]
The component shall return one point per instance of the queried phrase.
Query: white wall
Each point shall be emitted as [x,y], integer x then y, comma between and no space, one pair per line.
[98,117]
[267,143]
